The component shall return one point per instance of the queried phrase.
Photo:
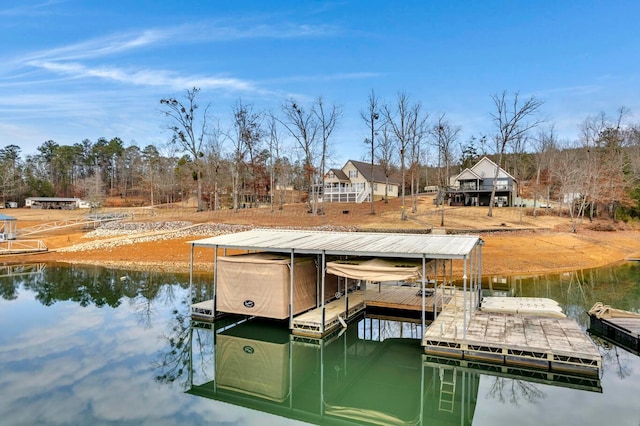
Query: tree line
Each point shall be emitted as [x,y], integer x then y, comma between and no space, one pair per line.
[263,157]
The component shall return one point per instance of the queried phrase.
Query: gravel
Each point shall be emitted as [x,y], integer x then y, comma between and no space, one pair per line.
[115,234]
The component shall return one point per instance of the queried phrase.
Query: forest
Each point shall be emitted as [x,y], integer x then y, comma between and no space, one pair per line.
[263,157]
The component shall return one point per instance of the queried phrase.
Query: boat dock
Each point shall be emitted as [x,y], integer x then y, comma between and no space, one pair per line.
[619,327]
[550,343]
[532,333]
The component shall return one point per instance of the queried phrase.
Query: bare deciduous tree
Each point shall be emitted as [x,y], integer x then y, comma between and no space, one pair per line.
[446,135]
[246,141]
[417,136]
[386,148]
[276,163]
[214,163]
[303,126]
[513,120]
[546,148]
[404,121]
[370,117]
[327,119]
[189,130]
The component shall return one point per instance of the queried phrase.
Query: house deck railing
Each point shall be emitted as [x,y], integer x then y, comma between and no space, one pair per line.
[344,195]
[480,188]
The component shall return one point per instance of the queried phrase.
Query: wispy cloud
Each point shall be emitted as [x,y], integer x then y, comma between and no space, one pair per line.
[145,77]
[29,9]
[100,47]
[222,32]
[72,61]
[181,34]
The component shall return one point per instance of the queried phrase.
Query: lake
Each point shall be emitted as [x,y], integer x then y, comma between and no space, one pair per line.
[90,345]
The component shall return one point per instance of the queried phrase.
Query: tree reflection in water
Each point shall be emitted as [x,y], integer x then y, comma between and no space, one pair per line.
[512,390]
[173,363]
[613,358]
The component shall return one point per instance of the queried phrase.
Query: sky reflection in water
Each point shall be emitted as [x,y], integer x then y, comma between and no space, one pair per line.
[97,346]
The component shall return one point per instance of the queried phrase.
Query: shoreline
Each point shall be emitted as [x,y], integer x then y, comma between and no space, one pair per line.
[504,253]
[515,244]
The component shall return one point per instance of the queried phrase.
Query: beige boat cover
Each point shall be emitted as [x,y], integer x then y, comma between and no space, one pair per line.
[253,367]
[377,269]
[259,284]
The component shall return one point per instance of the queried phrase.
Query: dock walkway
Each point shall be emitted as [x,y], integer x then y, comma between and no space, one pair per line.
[554,344]
[310,323]
[406,298]
[22,246]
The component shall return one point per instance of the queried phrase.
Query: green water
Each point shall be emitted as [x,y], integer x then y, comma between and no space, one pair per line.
[100,346]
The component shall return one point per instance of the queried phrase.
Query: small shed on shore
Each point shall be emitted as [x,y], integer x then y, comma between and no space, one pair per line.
[8,227]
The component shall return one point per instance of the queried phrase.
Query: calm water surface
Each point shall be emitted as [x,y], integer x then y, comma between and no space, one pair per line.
[101,346]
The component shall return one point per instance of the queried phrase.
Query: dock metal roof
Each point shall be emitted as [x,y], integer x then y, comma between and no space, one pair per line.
[348,243]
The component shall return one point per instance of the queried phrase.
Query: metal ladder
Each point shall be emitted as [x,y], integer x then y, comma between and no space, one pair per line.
[447,389]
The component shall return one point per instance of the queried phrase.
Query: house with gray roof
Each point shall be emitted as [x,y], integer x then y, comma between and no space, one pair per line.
[473,186]
[354,181]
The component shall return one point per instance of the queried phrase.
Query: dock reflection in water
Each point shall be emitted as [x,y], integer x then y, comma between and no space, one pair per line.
[360,375]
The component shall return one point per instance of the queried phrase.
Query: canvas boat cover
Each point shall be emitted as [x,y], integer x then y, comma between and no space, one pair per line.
[377,269]
[259,284]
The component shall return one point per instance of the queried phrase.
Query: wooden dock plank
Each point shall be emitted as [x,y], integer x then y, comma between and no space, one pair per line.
[403,298]
[544,342]
[333,309]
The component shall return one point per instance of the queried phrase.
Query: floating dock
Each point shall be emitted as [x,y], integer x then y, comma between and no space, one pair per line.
[617,326]
[552,378]
[336,315]
[203,311]
[553,344]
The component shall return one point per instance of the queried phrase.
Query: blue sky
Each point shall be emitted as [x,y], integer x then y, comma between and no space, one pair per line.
[72,70]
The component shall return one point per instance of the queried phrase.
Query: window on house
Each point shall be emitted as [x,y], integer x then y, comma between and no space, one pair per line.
[375,186]
[390,188]
[353,173]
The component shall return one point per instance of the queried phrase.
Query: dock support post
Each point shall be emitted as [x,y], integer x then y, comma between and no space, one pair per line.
[424,289]
[319,270]
[291,277]
[322,292]
[346,299]
[472,282]
[464,300]
[215,280]
[480,267]
[191,276]
[435,290]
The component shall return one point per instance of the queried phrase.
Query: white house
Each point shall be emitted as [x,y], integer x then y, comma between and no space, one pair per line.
[352,183]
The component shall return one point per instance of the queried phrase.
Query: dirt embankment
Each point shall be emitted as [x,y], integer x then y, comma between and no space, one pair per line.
[515,242]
